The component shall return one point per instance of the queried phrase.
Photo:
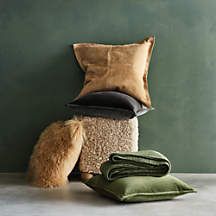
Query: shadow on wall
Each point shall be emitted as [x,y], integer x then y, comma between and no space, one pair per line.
[35,98]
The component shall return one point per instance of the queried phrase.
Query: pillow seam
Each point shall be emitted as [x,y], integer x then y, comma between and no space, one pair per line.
[123,197]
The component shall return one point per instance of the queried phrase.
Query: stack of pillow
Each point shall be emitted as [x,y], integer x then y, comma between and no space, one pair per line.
[114,93]
[116,88]
[115,84]
[138,177]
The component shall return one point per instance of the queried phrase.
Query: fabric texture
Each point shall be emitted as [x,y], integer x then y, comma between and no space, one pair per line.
[103,137]
[121,68]
[141,163]
[140,188]
[56,153]
[107,104]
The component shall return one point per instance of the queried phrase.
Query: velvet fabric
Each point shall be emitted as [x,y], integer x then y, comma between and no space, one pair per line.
[121,68]
[107,104]
[140,188]
[141,163]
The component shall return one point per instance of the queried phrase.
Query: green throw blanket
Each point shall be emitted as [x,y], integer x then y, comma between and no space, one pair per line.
[141,163]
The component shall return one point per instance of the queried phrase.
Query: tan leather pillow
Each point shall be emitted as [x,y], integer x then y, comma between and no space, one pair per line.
[122,68]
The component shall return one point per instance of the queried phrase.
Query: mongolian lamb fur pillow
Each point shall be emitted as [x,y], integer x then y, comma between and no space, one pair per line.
[56,153]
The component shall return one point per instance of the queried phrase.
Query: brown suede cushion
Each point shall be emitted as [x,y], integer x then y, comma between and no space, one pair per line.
[121,68]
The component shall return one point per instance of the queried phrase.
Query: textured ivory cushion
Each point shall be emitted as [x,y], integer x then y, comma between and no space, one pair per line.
[121,68]
[140,188]
[103,137]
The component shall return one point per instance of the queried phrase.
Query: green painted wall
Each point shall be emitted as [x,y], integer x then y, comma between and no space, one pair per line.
[38,74]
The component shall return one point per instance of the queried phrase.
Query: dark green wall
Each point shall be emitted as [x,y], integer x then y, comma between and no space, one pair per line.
[38,74]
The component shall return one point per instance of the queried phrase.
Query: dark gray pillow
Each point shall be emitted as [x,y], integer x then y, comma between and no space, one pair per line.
[108,104]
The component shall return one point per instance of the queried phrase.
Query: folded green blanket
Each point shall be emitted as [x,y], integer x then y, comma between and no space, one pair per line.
[141,163]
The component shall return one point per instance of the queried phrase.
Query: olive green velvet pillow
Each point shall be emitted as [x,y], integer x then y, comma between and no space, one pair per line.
[140,188]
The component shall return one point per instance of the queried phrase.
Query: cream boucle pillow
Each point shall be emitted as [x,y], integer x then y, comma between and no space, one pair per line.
[103,137]
[122,68]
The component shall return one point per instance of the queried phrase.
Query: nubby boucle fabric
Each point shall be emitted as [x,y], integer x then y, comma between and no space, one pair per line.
[103,137]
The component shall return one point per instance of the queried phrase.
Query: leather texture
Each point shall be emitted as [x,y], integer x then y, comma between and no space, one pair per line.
[122,68]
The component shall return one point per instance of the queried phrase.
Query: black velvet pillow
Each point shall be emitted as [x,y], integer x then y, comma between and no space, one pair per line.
[108,104]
